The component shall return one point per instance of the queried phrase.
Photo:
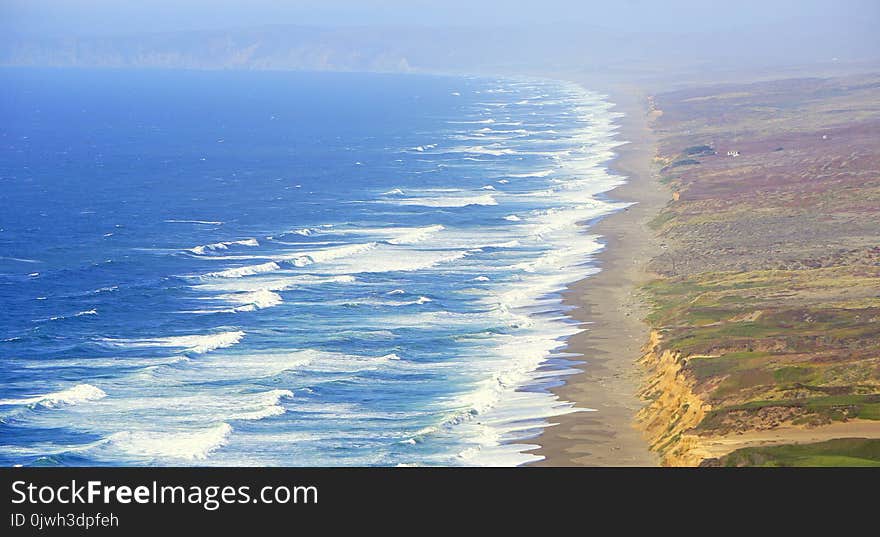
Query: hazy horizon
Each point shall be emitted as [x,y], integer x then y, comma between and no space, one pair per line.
[102,17]
[634,37]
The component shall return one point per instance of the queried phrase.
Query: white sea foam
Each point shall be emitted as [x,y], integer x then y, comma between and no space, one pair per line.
[239,272]
[251,300]
[416,235]
[302,259]
[80,393]
[251,366]
[354,302]
[77,314]
[329,362]
[553,258]
[201,250]
[208,222]
[389,259]
[450,201]
[273,283]
[509,244]
[207,404]
[20,259]
[494,150]
[183,444]
[196,344]
[261,405]
[477,121]
[211,311]
[107,289]
[542,173]
[491,412]
[232,367]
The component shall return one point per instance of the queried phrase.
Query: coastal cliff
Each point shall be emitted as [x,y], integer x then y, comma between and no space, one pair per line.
[673,407]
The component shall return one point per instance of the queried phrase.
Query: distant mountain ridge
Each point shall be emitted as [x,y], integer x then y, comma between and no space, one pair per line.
[408,48]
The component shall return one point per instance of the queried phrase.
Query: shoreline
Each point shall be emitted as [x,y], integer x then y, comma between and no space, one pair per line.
[608,308]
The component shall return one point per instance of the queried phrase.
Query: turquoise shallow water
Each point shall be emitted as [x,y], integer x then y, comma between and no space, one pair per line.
[289,268]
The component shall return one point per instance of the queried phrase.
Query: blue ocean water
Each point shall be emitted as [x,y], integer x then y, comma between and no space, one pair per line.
[241,268]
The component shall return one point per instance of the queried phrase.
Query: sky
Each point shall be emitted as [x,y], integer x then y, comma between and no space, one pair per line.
[114,17]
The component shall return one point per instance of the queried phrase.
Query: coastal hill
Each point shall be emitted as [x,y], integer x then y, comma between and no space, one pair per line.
[765,343]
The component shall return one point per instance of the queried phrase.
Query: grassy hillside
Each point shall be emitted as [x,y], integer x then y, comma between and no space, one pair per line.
[768,288]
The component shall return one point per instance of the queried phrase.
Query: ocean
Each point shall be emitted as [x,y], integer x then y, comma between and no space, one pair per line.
[294,269]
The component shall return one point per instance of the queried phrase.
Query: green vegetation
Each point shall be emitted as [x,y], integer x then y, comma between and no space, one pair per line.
[661,219]
[769,345]
[838,452]
[699,150]
[768,282]
[684,162]
[809,411]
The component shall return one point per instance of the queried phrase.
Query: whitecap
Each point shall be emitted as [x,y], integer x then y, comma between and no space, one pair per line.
[273,283]
[543,173]
[248,270]
[416,235]
[181,444]
[302,259]
[80,393]
[389,259]
[196,344]
[208,222]
[483,150]
[449,201]
[251,300]
[476,121]
[201,250]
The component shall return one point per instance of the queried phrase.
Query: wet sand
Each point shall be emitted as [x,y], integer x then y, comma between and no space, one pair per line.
[608,305]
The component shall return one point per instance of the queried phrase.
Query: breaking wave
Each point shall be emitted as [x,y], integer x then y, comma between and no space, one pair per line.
[80,393]
[449,201]
[195,344]
[201,250]
[185,445]
[239,272]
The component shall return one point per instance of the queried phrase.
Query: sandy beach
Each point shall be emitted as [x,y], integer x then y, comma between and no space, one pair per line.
[612,313]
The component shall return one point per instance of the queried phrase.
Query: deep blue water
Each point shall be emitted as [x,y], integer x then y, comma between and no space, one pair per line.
[289,268]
